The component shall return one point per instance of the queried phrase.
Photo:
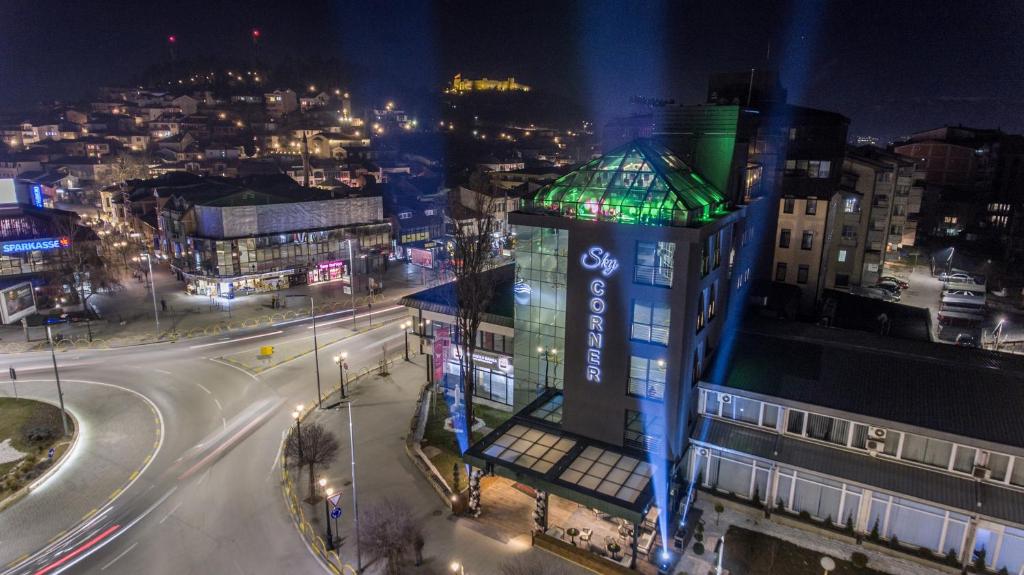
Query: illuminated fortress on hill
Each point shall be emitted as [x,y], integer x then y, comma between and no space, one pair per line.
[460,84]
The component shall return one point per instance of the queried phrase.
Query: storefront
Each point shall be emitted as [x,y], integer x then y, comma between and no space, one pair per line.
[329,272]
[237,286]
[494,381]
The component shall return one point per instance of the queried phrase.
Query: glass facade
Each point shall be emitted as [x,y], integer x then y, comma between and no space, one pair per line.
[639,183]
[541,261]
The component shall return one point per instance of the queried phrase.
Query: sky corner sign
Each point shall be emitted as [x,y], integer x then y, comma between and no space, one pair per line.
[598,260]
[33,245]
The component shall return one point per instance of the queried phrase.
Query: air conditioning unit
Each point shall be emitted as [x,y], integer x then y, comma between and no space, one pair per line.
[726,398]
[875,446]
[981,472]
[878,433]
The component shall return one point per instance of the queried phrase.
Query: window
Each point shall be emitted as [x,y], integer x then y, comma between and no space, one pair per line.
[705,259]
[404,215]
[646,378]
[842,256]
[801,274]
[643,431]
[819,168]
[651,322]
[796,422]
[998,463]
[654,263]
[850,232]
[780,271]
[842,280]
[718,248]
[787,205]
[964,460]
[928,451]
[712,295]
[784,236]
[851,205]
[701,308]
[828,429]
[807,240]
[812,206]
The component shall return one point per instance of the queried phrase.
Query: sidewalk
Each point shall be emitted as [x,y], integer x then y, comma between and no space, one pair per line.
[381,411]
[127,316]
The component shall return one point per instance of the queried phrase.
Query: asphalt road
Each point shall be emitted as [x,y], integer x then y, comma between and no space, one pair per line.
[209,500]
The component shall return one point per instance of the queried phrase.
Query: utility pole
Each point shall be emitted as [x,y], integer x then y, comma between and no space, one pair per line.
[352,281]
[355,499]
[56,375]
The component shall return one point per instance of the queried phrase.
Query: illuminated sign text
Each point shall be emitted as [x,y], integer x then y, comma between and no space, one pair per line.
[597,259]
[39,244]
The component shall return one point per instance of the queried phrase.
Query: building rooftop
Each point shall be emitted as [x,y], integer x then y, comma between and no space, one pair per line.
[966,392]
[641,182]
[442,299]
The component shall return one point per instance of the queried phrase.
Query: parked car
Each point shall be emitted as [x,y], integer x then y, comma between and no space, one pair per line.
[890,287]
[874,292]
[902,283]
[956,277]
[967,340]
[963,293]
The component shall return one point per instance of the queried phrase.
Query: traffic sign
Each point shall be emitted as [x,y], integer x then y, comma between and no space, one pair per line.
[51,453]
[335,512]
[334,499]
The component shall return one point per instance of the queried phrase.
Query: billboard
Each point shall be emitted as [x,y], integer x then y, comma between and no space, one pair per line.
[422,258]
[17,301]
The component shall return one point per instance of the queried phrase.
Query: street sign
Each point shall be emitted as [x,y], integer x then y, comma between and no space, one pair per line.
[51,453]
[335,512]
[334,499]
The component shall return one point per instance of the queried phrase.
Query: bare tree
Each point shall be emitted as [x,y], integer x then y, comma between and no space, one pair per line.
[474,254]
[128,166]
[82,263]
[529,565]
[389,532]
[313,447]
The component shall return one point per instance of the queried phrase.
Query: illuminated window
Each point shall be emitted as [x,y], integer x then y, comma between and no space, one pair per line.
[647,378]
[651,322]
[851,205]
[701,307]
[712,296]
[654,263]
[842,256]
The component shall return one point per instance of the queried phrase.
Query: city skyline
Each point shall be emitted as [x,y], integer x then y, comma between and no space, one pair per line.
[598,56]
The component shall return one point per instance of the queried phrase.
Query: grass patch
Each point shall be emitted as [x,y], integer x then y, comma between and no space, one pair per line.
[32,427]
[437,436]
[754,553]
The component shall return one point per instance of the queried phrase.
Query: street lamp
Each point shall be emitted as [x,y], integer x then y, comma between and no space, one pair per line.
[316,356]
[406,325]
[998,331]
[297,416]
[327,512]
[720,549]
[547,353]
[457,567]
[424,325]
[56,376]
[342,368]
[152,290]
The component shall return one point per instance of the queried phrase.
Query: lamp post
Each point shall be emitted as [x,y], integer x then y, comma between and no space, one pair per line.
[355,500]
[56,376]
[316,355]
[327,512]
[405,332]
[297,416]
[998,331]
[352,282]
[546,353]
[152,290]
[424,325]
[720,549]
[342,362]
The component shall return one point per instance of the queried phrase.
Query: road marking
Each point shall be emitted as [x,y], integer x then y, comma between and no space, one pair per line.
[115,494]
[203,477]
[171,512]
[133,475]
[120,555]
[280,448]
[18,560]
[203,387]
[163,371]
[380,311]
[219,407]
[232,366]
[224,423]
[236,339]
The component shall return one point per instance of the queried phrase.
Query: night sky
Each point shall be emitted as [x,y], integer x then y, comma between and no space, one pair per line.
[892,67]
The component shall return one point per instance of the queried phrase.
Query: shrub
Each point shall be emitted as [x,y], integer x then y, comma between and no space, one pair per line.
[873,536]
[805,516]
[827,522]
[859,560]
[849,524]
[925,552]
[757,497]
[698,548]
[951,557]
[894,542]
[1004,571]
[980,559]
